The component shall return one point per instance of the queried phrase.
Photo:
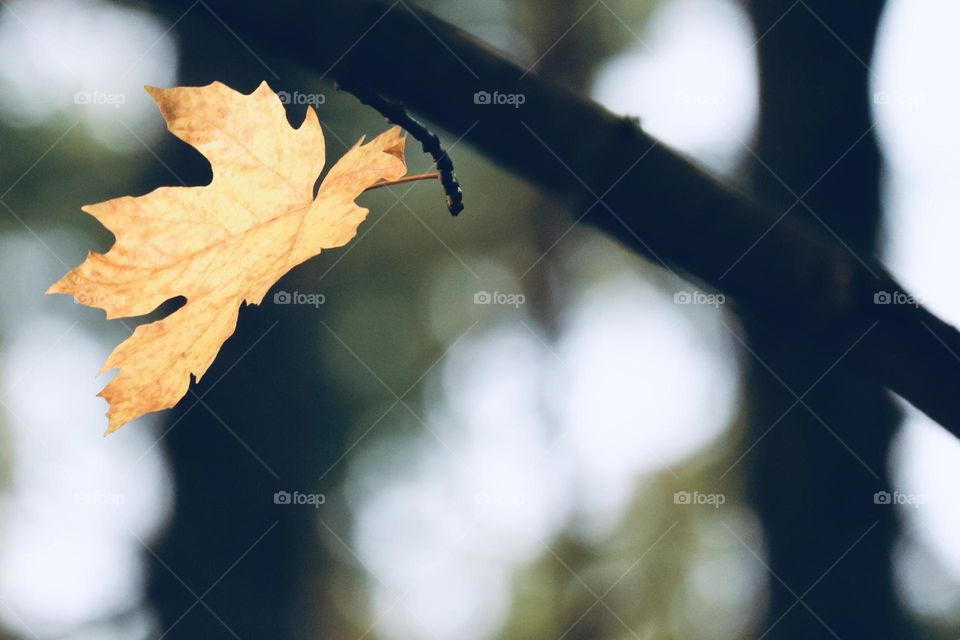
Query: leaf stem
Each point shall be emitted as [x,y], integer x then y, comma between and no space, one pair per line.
[389,183]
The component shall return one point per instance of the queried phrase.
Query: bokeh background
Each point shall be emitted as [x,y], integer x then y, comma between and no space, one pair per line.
[503,425]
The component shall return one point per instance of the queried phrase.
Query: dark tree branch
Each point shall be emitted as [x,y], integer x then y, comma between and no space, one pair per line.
[395,113]
[790,275]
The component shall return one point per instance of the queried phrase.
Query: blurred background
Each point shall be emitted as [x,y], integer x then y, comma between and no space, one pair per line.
[503,425]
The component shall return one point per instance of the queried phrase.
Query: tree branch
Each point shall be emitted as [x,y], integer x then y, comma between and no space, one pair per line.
[397,114]
[791,276]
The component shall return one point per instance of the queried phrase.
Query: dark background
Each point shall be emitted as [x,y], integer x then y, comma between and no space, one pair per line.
[598,460]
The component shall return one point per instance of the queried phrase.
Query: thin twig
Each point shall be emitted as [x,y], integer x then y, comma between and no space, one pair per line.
[397,114]
[389,183]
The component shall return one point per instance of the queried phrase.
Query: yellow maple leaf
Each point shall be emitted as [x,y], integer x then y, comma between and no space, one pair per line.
[222,244]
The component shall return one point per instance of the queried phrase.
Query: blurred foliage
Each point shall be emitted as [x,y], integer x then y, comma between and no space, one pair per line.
[398,298]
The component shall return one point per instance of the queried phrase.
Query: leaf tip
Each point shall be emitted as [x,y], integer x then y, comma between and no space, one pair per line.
[113,426]
[66,284]
[114,419]
[311,118]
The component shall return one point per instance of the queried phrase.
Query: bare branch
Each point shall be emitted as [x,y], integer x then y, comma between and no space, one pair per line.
[793,277]
[395,113]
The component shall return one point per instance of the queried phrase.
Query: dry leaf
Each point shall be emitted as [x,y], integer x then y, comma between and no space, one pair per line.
[221,244]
